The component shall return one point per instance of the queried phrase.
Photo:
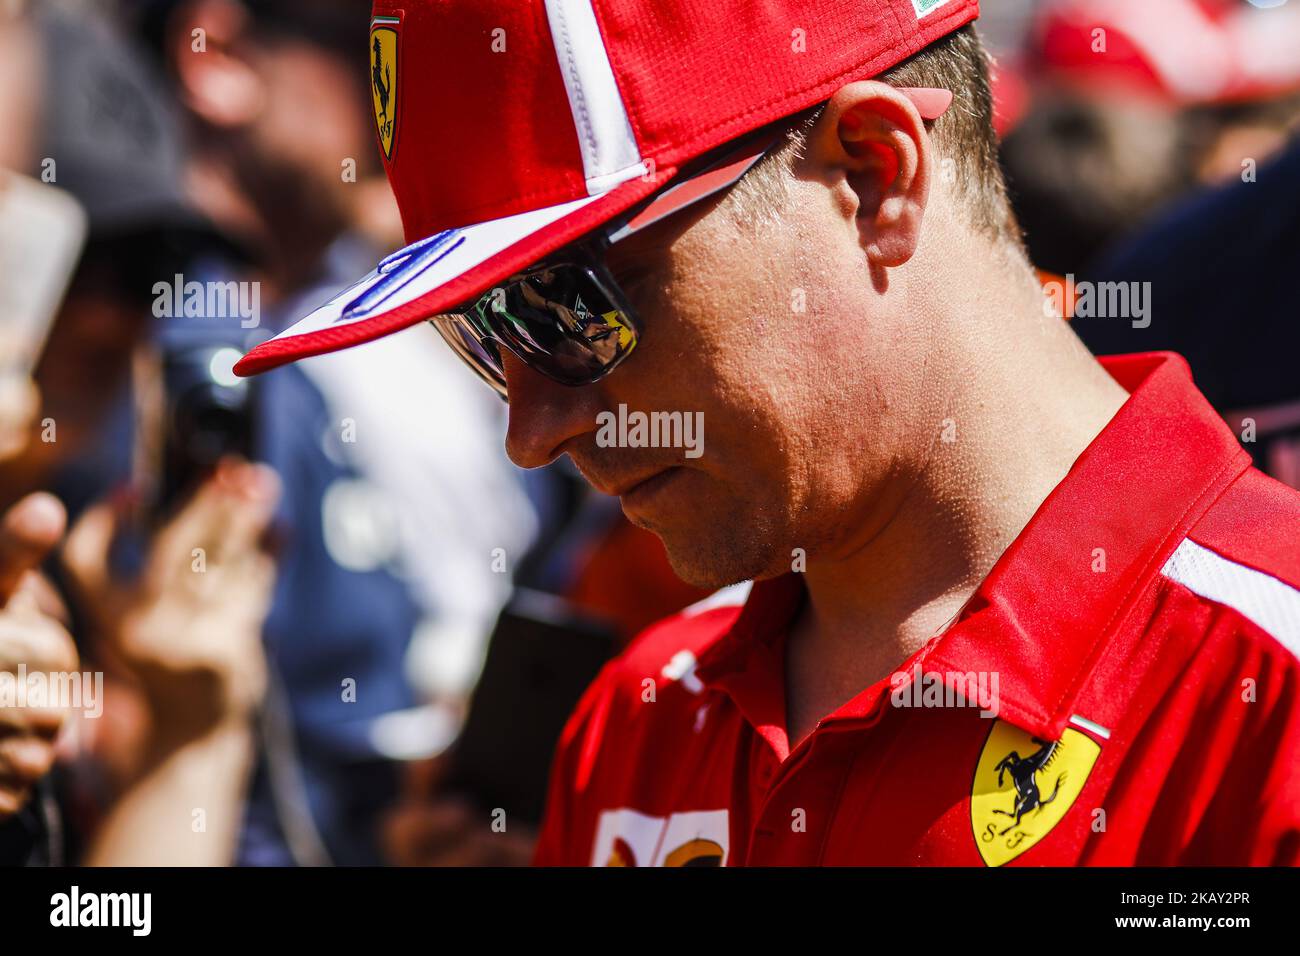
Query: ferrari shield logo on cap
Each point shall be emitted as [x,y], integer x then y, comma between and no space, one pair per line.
[1023,787]
[383,79]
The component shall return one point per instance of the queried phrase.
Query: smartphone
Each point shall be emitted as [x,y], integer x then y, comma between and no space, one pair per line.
[42,231]
[208,414]
[542,655]
[189,412]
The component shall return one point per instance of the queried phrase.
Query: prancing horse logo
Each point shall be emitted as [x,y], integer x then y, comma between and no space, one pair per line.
[1023,770]
[383,79]
[1008,809]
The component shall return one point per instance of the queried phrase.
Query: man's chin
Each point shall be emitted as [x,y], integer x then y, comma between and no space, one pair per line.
[709,561]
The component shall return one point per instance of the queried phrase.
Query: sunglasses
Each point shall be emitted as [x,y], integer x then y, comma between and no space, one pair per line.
[567,317]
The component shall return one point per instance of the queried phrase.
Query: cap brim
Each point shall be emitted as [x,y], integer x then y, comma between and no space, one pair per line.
[478,257]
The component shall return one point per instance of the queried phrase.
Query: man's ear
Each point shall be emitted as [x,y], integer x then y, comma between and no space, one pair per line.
[870,144]
[216,82]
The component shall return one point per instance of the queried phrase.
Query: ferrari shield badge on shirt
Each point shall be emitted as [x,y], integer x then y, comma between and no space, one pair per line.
[1023,787]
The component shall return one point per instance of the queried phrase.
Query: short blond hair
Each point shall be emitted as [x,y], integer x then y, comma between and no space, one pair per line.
[964,134]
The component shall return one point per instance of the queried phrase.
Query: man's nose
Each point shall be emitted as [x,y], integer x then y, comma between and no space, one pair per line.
[544,414]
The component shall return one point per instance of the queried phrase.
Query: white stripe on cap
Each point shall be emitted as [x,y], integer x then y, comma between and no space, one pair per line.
[609,151]
[1272,604]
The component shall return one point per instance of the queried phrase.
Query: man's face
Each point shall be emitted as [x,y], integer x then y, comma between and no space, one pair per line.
[808,378]
[312,115]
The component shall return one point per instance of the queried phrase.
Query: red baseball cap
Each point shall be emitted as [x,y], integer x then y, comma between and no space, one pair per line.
[511,129]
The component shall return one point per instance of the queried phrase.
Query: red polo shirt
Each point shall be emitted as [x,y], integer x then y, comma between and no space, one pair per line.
[1138,643]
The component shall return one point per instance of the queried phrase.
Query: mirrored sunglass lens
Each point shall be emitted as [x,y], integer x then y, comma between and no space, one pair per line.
[562,323]
[479,354]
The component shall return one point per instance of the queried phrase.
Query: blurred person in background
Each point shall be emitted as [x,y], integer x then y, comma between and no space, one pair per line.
[1222,270]
[388,586]
[1083,171]
[1132,105]
[1146,158]
[173,729]
[279,110]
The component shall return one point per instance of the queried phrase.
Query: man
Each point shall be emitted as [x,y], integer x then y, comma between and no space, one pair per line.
[1010,605]
[1245,233]
[1119,129]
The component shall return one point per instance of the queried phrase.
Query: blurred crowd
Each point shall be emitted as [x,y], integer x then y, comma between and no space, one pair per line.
[277,596]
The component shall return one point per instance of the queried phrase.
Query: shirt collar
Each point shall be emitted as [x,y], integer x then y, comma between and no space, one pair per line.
[1043,616]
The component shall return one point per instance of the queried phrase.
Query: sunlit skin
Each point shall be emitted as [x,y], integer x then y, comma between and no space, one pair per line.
[823,428]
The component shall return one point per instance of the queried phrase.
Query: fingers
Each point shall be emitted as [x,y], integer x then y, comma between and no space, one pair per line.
[252,492]
[224,520]
[23,761]
[26,757]
[27,533]
[187,530]
[450,831]
[33,642]
[484,847]
[38,642]
[20,401]
[425,833]
[422,779]
[191,630]
[252,582]
[85,553]
[13,795]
